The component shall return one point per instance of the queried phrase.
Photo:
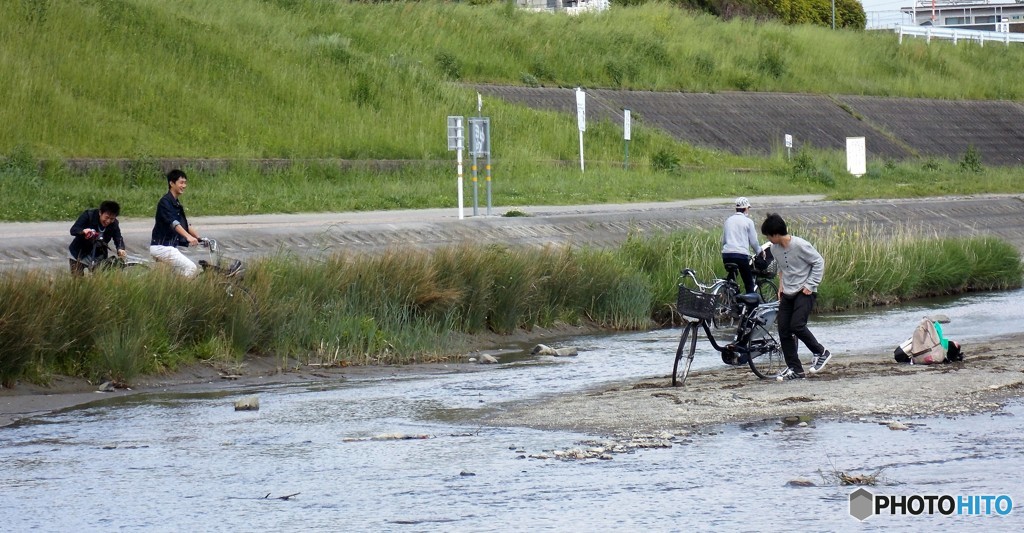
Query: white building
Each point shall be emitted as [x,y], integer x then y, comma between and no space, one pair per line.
[982,15]
[569,6]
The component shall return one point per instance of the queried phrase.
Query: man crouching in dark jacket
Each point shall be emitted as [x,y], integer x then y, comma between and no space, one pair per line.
[92,231]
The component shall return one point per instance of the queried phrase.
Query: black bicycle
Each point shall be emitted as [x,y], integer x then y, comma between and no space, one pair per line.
[754,342]
[230,273]
[100,259]
[726,291]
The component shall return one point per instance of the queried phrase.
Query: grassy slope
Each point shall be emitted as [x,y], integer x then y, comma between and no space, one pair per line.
[309,78]
[248,78]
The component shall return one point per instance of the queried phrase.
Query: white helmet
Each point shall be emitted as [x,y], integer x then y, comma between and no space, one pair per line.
[742,202]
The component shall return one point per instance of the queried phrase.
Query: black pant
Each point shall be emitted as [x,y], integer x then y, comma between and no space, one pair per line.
[743,262]
[794,311]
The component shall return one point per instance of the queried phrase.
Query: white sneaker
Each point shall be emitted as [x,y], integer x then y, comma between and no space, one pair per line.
[789,374]
[819,361]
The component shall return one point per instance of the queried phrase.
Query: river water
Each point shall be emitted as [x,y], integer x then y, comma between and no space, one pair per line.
[177,462]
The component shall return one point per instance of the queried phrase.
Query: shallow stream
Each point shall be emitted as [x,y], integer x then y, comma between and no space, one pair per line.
[177,462]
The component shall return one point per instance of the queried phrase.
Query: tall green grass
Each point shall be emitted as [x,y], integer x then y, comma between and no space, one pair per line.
[243,79]
[312,78]
[418,306]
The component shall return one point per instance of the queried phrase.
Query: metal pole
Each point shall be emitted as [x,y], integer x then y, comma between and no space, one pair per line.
[833,14]
[461,214]
[476,185]
[488,183]
[476,151]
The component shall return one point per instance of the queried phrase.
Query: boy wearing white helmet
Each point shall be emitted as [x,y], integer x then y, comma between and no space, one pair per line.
[739,237]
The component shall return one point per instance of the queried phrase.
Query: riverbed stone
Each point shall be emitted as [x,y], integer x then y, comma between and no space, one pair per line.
[249,403]
[543,349]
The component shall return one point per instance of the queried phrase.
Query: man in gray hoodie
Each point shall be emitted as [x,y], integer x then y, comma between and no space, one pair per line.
[738,238]
[801,268]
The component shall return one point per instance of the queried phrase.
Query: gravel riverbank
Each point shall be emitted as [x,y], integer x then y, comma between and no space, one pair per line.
[852,386]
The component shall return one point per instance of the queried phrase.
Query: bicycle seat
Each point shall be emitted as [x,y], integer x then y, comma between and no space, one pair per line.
[732,268]
[750,299]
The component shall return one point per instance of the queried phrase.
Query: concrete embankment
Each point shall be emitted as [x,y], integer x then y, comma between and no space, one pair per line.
[44,244]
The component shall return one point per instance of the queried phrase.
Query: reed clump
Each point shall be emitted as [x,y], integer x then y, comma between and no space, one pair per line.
[419,306]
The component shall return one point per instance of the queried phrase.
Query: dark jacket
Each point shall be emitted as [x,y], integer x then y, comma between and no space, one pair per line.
[82,248]
[169,213]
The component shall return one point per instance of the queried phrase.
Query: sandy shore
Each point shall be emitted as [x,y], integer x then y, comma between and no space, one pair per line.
[868,385]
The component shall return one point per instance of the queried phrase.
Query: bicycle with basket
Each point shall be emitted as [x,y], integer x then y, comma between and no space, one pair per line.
[754,342]
[728,310]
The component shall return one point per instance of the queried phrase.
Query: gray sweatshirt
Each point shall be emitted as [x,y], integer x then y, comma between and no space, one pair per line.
[738,234]
[800,265]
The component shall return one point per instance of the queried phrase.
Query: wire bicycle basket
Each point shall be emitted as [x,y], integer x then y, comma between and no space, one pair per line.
[695,305]
[766,269]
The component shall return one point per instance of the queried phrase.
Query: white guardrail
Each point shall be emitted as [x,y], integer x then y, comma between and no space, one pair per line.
[958,34]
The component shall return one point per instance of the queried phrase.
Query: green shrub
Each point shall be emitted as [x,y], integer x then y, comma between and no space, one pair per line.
[665,161]
[449,65]
[971,162]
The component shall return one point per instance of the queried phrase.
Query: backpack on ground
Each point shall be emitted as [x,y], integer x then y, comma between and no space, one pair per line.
[924,347]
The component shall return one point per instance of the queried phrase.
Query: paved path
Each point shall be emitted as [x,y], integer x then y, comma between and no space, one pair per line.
[44,244]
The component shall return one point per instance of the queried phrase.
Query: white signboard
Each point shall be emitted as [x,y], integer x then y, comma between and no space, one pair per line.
[625,124]
[856,156]
[454,133]
[789,141]
[581,109]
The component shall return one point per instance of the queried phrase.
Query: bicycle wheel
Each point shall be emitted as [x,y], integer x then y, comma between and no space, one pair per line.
[689,334]
[235,290]
[725,306]
[768,290]
[765,359]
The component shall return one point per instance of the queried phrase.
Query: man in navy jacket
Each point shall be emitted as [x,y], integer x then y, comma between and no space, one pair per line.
[171,229]
[93,230]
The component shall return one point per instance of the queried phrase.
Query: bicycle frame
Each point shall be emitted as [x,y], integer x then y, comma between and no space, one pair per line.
[94,262]
[744,331]
[215,264]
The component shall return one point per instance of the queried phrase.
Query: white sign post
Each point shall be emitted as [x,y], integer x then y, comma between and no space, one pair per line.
[581,118]
[789,146]
[456,143]
[856,156]
[626,134]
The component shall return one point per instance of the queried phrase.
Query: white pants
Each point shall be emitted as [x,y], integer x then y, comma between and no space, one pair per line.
[171,254]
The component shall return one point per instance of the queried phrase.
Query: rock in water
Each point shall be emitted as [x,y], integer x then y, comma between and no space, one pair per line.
[249,403]
[543,349]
